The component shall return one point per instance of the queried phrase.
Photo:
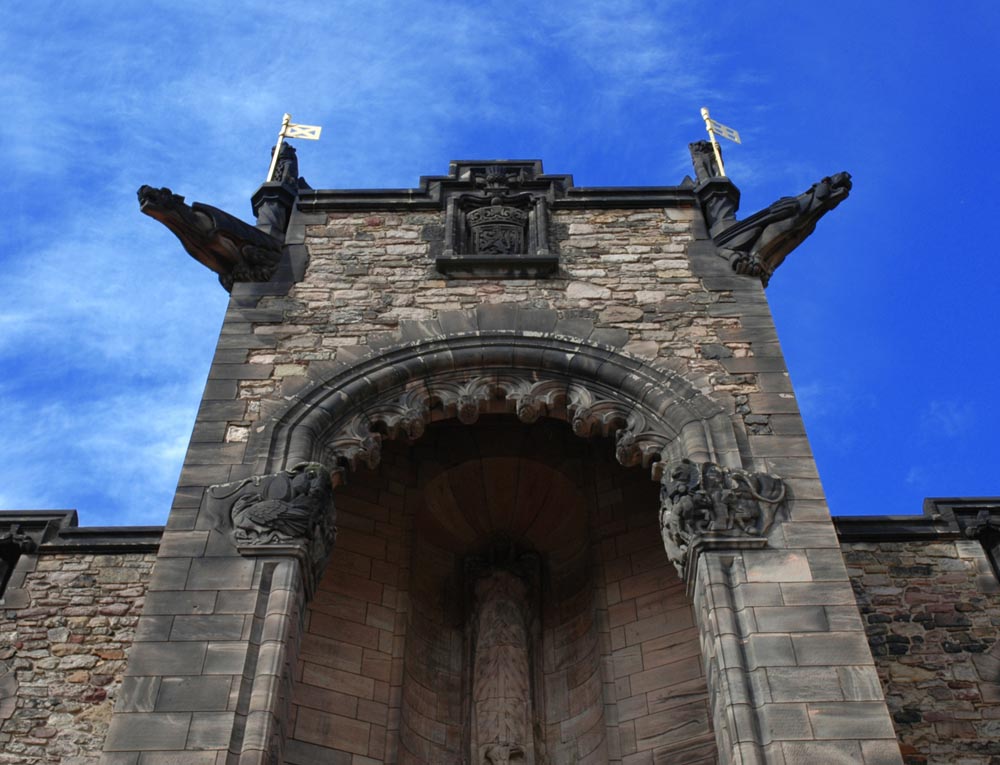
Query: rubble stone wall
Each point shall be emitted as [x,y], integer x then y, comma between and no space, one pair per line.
[625,279]
[64,635]
[932,614]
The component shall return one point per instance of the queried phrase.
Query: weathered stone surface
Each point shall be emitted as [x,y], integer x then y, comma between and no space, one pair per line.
[933,630]
[64,654]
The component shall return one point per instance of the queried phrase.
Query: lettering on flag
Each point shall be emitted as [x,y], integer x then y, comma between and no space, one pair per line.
[725,132]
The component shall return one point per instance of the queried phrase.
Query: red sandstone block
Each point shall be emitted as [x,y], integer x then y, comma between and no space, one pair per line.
[339,606]
[377,666]
[362,508]
[621,613]
[670,648]
[384,572]
[338,629]
[333,731]
[664,676]
[360,542]
[646,583]
[380,616]
[338,680]
[640,540]
[331,653]
[355,586]
[678,694]
[351,562]
[618,638]
[372,711]
[376,743]
[627,661]
[324,699]
[617,569]
[670,728]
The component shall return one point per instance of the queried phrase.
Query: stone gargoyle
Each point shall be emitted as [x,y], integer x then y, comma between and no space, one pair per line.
[235,250]
[757,245]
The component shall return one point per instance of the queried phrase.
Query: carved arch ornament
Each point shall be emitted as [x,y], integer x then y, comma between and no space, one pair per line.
[652,413]
[657,419]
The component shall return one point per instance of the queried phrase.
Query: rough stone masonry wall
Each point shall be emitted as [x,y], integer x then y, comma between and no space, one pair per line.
[62,653]
[624,275]
[932,613]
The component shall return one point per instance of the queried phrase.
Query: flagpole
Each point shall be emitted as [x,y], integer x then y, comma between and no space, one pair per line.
[711,135]
[277,148]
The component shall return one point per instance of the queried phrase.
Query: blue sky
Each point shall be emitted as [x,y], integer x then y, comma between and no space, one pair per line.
[887,314]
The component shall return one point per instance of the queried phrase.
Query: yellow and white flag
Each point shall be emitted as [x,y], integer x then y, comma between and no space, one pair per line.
[726,132]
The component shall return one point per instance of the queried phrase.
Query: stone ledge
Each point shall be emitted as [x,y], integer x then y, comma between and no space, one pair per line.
[56,531]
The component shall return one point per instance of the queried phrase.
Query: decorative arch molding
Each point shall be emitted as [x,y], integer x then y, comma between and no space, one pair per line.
[653,414]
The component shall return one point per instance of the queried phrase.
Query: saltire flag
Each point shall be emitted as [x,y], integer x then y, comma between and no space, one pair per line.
[725,132]
[311,132]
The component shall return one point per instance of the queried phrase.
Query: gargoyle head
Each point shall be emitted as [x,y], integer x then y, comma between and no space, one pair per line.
[836,188]
[151,199]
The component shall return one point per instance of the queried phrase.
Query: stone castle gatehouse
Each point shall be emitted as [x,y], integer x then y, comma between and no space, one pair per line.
[499,469]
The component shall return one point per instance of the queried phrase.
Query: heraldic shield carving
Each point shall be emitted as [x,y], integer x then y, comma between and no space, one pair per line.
[704,503]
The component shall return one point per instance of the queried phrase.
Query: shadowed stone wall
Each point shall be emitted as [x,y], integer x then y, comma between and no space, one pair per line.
[381,670]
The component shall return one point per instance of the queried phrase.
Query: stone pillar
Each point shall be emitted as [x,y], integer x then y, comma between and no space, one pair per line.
[210,671]
[789,671]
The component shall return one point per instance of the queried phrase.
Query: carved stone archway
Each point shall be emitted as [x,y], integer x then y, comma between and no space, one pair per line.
[652,413]
[656,418]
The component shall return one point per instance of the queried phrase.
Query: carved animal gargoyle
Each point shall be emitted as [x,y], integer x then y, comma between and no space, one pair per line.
[757,245]
[235,250]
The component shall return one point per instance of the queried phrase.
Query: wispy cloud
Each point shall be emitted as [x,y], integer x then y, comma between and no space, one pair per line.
[948,419]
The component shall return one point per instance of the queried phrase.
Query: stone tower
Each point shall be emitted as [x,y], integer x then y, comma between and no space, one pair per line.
[493,470]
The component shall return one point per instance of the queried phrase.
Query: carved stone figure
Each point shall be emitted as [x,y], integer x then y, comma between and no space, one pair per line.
[706,500]
[292,508]
[757,245]
[501,691]
[703,159]
[235,250]
[287,169]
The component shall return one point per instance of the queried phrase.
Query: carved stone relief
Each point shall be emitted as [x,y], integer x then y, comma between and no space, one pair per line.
[503,709]
[289,511]
[498,226]
[704,503]
[358,441]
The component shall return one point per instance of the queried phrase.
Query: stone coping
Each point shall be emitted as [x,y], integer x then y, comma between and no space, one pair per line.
[56,531]
[942,518]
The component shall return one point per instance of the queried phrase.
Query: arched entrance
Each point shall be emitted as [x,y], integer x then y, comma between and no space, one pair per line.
[508,453]
[503,590]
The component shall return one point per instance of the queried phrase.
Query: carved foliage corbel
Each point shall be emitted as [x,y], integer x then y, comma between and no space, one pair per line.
[288,512]
[706,506]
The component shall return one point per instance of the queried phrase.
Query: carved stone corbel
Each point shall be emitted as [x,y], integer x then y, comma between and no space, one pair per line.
[706,506]
[286,513]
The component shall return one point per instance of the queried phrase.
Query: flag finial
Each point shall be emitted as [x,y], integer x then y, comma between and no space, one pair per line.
[717,128]
[289,130]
